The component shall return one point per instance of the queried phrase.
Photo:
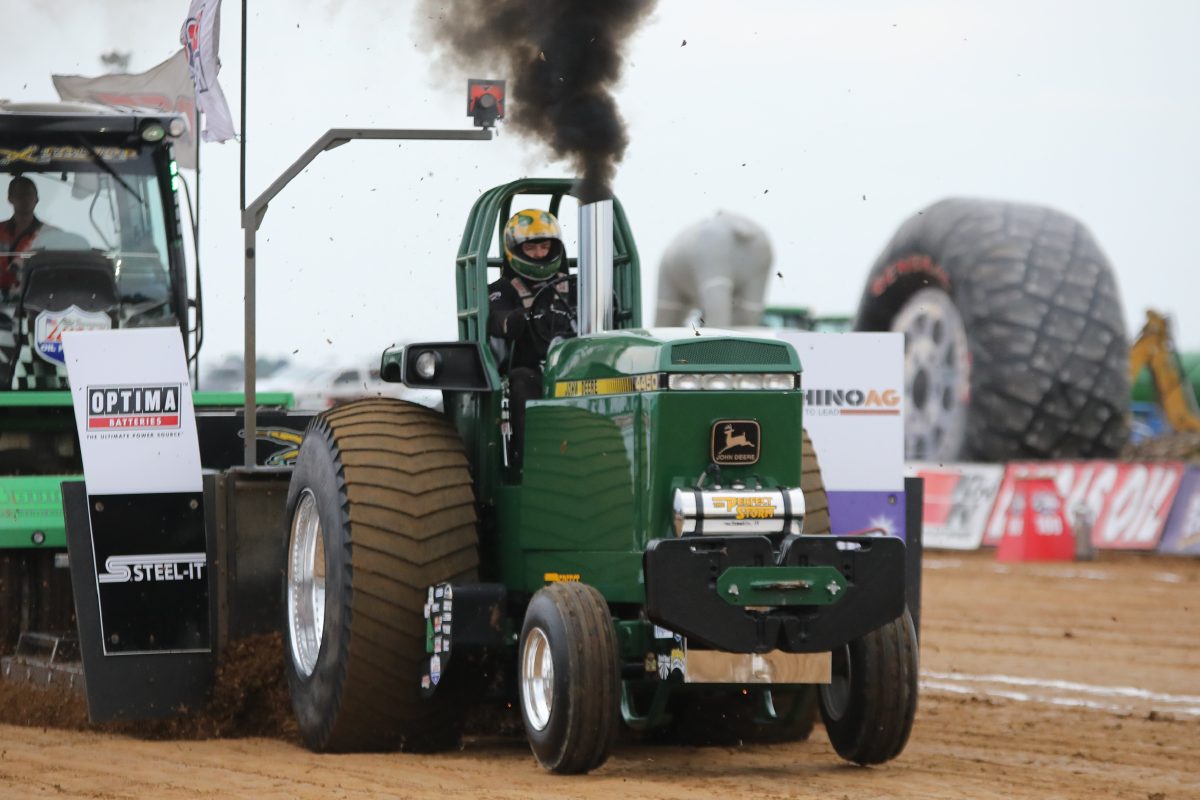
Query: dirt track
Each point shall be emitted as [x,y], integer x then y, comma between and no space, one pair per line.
[1038,681]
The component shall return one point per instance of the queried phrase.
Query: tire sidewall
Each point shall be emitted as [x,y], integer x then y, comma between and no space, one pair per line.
[316,697]
[544,613]
[850,715]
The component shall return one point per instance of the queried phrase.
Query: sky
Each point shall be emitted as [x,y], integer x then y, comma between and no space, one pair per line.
[829,123]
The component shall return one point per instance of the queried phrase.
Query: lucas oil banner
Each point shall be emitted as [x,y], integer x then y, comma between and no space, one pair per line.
[1126,503]
[141,463]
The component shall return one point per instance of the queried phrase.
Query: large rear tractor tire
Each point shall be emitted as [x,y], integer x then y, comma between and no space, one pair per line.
[869,707]
[569,678]
[381,507]
[1015,343]
[816,502]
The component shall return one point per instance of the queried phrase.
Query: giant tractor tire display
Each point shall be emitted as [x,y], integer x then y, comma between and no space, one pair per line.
[627,569]
[1015,343]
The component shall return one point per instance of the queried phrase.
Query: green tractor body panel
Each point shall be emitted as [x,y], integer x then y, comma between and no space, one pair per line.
[62,399]
[600,473]
[31,511]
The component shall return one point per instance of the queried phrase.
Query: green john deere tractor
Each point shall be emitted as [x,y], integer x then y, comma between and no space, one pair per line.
[652,561]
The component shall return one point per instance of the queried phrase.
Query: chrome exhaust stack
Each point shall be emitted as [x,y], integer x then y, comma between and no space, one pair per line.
[595,267]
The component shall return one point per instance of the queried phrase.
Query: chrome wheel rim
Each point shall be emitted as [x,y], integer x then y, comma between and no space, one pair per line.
[306,585]
[537,679]
[937,377]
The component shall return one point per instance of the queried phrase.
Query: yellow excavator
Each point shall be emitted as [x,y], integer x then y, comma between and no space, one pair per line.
[1154,350]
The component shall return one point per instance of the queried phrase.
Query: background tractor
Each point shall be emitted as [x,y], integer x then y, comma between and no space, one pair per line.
[628,571]
[111,255]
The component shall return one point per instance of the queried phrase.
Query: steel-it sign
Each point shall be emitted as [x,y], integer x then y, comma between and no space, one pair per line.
[133,407]
[156,567]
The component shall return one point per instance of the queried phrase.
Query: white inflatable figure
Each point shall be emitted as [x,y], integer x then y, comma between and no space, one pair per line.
[719,267]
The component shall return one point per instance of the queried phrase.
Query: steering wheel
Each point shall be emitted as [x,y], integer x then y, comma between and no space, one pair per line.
[553,319]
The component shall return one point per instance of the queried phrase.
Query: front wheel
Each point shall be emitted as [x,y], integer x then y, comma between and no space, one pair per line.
[869,706]
[569,680]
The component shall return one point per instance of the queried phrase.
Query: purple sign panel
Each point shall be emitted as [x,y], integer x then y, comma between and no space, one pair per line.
[866,512]
[1182,533]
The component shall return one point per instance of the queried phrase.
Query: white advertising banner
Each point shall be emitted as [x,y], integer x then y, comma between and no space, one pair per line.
[164,87]
[854,407]
[133,410]
[958,501]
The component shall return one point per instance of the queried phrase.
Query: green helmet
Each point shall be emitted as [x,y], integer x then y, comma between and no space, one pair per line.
[533,226]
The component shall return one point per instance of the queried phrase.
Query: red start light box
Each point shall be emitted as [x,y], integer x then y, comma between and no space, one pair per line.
[477,90]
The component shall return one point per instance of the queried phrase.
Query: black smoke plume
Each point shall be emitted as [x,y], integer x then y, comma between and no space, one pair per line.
[562,59]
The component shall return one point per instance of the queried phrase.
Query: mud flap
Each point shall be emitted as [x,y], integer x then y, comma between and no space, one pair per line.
[145,630]
[467,619]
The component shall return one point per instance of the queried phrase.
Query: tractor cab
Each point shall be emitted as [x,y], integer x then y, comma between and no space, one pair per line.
[90,235]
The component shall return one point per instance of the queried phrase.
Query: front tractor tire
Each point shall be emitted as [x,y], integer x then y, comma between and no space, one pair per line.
[381,507]
[869,707]
[569,678]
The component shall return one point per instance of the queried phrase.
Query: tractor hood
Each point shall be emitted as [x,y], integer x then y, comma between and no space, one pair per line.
[648,355]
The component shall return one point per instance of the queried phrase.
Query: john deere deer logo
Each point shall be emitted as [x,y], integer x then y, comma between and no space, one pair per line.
[735,441]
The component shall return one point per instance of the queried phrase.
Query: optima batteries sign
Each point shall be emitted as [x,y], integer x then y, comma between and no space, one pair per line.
[141,465]
[133,407]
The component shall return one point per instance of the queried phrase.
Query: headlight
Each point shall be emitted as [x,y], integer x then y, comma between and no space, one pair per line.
[152,131]
[427,364]
[726,381]
[684,382]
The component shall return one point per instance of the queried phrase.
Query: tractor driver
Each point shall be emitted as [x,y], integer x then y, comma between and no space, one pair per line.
[531,305]
[18,231]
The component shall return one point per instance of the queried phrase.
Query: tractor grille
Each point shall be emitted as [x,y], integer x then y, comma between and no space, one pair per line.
[729,352]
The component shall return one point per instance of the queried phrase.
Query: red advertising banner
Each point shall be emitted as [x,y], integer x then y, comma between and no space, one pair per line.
[1128,503]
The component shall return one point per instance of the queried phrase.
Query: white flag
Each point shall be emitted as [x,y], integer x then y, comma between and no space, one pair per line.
[201,38]
[166,87]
